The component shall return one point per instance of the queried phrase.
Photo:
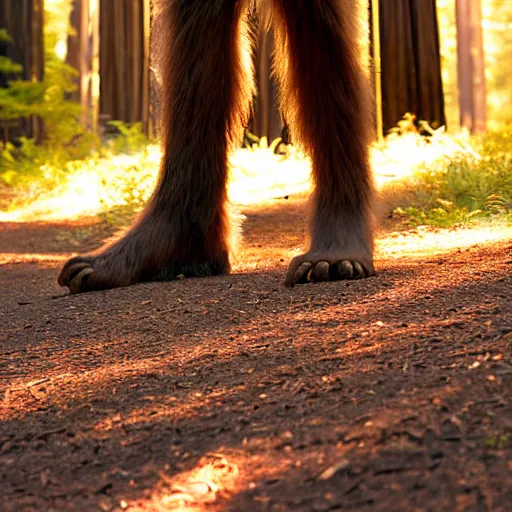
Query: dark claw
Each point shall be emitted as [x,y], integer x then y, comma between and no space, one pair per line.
[359,271]
[301,274]
[70,271]
[320,272]
[75,275]
[77,283]
[344,270]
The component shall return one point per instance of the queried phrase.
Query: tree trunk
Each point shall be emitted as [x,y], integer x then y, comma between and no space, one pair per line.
[125,61]
[411,62]
[471,66]
[73,53]
[23,20]
[267,120]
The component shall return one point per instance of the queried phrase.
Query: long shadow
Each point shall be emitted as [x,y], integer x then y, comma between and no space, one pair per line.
[167,313]
[357,399]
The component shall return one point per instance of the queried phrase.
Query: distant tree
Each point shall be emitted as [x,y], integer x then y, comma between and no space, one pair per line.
[471,66]
[497,22]
[266,119]
[411,62]
[83,48]
[22,44]
[73,44]
[125,61]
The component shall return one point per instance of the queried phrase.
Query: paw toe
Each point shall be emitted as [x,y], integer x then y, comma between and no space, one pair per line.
[359,271]
[75,275]
[302,273]
[321,272]
[344,270]
[77,283]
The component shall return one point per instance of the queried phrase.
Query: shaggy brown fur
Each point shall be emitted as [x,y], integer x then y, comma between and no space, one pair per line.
[325,98]
[204,64]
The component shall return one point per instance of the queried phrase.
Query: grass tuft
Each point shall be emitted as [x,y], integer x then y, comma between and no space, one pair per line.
[463,190]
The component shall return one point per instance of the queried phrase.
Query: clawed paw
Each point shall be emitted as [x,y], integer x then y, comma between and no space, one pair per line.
[96,273]
[305,270]
[75,275]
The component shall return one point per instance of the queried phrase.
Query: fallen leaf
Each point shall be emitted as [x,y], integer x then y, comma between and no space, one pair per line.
[328,473]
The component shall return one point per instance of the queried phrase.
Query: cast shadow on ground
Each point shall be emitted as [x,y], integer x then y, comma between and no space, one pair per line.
[372,382]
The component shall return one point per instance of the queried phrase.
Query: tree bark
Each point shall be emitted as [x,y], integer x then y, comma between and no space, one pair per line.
[125,61]
[411,62]
[23,20]
[471,66]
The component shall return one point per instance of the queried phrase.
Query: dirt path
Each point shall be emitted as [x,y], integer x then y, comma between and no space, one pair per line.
[234,393]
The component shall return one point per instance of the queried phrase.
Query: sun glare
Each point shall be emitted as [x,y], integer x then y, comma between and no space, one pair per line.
[429,242]
[199,487]
[257,175]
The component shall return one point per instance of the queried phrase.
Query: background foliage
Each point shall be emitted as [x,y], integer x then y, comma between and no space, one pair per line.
[474,185]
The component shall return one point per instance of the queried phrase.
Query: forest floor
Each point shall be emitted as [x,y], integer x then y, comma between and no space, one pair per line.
[235,393]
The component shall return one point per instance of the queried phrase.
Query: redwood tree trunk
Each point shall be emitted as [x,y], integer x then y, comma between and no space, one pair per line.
[411,62]
[124,61]
[471,66]
[23,20]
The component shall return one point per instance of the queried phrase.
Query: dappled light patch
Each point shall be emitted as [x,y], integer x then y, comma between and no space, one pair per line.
[258,175]
[424,241]
[216,476]
[7,258]
[401,156]
[92,187]
[235,393]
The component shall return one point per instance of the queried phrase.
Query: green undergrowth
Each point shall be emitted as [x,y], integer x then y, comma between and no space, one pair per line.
[42,167]
[46,105]
[459,189]
[64,145]
[464,190]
